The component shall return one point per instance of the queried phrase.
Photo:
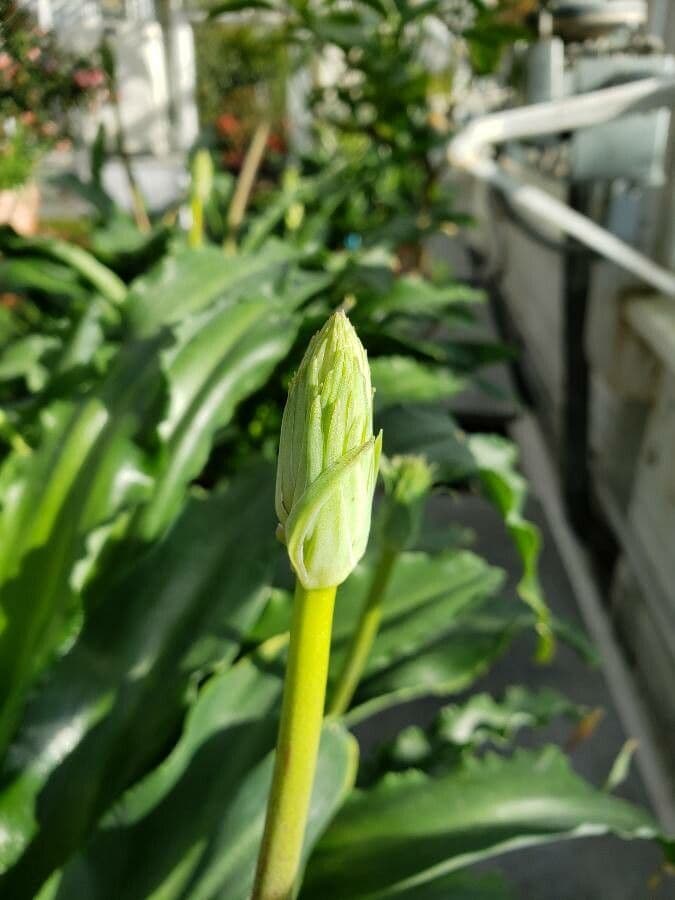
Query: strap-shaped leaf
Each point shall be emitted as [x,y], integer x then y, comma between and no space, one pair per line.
[188,281]
[192,828]
[114,700]
[76,258]
[410,828]
[88,468]
[220,357]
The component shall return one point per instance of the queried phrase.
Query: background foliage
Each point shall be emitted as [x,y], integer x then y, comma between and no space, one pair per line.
[144,601]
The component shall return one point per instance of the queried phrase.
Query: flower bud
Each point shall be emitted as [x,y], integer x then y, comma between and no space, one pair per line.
[407,482]
[328,458]
[202,175]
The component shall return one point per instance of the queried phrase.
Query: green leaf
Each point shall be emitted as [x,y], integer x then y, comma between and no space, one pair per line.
[496,460]
[426,642]
[112,703]
[189,280]
[410,828]
[87,469]
[482,718]
[621,765]
[456,657]
[400,379]
[220,357]
[344,27]
[490,459]
[80,261]
[36,275]
[415,296]
[426,595]
[446,664]
[223,7]
[431,432]
[440,746]
[456,886]
[24,359]
[193,826]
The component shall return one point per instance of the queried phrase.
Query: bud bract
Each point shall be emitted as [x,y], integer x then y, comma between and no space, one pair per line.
[328,458]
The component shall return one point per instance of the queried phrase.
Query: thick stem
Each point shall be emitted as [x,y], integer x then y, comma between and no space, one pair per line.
[297,744]
[362,640]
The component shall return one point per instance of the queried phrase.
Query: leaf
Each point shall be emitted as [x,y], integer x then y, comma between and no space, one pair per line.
[194,825]
[112,703]
[426,642]
[496,460]
[24,359]
[344,27]
[452,661]
[400,379]
[36,275]
[189,280]
[480,720]
[410,828]
[83,263]
[621,765]
[223,7]
[492,460]
[446,664]
[430,431]
[415,296]
[88,468]
[456,886]
[220,357]
[425,596]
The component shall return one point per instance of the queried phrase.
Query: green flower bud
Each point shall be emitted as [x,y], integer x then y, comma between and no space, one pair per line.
[407,481]
[202,175]
[328,458]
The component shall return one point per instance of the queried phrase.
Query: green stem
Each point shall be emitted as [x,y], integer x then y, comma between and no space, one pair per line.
[297,744]
[362,640]
[196,234]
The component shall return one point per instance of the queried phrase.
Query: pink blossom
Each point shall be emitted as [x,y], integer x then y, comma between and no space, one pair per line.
[86,79]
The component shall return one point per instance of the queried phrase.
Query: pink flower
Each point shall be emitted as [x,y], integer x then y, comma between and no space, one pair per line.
[5,61]
[88,79]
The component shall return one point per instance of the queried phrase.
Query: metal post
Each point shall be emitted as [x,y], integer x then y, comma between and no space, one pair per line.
[575,462]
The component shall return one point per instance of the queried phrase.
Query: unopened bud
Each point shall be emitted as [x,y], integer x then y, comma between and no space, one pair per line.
[328,458]
[408,481]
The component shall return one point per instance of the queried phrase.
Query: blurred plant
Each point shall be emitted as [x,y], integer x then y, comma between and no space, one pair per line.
[241,81]
[39,84]
[382,99]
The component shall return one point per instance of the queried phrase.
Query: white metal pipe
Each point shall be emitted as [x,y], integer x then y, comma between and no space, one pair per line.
[469,151]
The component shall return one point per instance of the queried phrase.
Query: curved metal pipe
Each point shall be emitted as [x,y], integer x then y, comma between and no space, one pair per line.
[468,151]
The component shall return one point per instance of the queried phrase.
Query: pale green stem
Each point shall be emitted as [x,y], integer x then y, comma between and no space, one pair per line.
[196,235]
[362,640]
[297,744]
